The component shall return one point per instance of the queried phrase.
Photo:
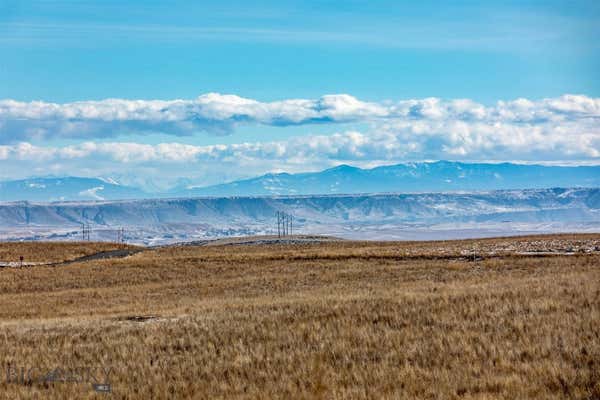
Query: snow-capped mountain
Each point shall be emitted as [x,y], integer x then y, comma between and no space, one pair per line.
[414,177]
[68,188]
[441,176]
[387,216]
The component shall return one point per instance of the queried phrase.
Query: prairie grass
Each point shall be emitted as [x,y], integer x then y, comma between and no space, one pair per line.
[331,320]
[51,252]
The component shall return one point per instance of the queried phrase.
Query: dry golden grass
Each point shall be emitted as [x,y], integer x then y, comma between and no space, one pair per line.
[331,320]
[51,252]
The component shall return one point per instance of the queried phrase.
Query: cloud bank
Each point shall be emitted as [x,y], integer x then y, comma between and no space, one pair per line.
[220,114]
[391,142]
[213,112]
[394,141]
[565,128]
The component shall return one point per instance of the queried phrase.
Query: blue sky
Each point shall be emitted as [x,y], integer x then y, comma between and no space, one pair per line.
[79,50]
[379,52]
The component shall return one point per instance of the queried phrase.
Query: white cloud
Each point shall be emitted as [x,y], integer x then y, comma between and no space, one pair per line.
[390,141]
[566,128]
[216,113]
[211,112]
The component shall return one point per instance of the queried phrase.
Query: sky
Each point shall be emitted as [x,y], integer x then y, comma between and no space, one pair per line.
[159,93]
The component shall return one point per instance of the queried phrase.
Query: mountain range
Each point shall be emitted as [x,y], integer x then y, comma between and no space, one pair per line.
[441,176]
[67,188]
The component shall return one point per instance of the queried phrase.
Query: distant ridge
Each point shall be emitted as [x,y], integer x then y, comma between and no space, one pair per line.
[423,177]
[67,189]
[370,216]
[441,176]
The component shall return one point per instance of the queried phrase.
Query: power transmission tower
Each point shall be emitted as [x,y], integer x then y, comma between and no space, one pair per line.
[85,232]
[278,224]
[121,235]
[284,223]
[287,224]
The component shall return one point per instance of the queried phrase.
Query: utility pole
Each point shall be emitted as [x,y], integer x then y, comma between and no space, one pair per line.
[278,224]
[285,223]
[121,235]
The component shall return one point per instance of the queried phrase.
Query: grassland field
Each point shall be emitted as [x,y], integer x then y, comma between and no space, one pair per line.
[506,318]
